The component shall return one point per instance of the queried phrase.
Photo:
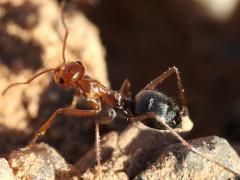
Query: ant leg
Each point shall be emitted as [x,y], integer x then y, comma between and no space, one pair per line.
[67,111]
[173,70]
[125,89]
[98,151]
[75,99]
[174,133]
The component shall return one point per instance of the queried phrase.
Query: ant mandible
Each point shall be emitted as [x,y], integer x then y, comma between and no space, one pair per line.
[107,104]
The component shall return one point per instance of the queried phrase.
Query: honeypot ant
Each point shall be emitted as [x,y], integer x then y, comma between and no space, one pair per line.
[107,104]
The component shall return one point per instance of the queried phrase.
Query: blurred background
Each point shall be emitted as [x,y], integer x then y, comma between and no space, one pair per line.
[201,38]
[142,39]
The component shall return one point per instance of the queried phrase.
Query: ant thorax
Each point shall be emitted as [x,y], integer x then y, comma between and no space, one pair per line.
[71,75]
[93,89]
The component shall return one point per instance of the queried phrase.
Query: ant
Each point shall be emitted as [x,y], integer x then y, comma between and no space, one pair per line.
[106,104]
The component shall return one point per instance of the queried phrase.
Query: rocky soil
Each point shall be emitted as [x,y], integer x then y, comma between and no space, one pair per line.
[31,37]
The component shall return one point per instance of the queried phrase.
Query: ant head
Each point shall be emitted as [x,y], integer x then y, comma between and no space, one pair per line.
[68,74]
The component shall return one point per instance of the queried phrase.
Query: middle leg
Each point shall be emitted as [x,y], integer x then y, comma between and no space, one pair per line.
[125,89]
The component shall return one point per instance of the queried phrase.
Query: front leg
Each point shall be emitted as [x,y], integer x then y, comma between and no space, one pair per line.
[75,99]
[67,111]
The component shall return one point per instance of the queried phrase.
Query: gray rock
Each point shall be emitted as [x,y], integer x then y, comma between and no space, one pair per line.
[5,170]
[107,175]
[133,150]
[109,143]
[177,162]
[40,162]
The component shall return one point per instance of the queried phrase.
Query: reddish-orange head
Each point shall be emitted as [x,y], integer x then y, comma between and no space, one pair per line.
[68,74]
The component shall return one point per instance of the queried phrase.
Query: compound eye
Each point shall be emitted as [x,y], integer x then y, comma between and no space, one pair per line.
[61,80]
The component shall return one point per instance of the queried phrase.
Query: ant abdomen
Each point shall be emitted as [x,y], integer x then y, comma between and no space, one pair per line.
[154,101]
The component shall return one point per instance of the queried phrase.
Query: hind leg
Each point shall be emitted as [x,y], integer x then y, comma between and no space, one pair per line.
[156,82]
[175,134]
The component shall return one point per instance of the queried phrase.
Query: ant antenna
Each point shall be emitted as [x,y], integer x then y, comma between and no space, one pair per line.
[47,70]
[28,81]
[66,31]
